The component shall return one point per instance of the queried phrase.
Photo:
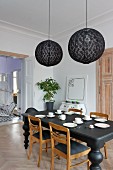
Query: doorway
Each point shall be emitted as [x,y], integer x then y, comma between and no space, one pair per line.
[11,72]
[104,85]
[10,81]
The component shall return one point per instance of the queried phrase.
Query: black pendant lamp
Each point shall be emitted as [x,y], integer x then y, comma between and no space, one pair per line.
[86,45]
[48,52]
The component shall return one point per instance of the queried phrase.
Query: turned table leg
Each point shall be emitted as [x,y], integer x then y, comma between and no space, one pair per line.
[26,132]
[96,157]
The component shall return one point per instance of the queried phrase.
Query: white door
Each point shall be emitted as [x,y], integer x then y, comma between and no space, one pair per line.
[27,83]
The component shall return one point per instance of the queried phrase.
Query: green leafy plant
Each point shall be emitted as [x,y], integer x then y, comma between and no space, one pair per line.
[50,87]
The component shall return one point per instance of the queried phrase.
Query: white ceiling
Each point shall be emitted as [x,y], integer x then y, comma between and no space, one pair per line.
[65,14]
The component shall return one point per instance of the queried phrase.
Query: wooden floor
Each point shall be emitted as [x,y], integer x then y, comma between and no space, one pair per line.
[13,155]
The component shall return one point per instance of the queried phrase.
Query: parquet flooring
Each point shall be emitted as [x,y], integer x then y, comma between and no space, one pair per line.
[13,156]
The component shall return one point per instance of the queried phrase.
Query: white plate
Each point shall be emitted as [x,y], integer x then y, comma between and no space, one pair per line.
[100,120]
[87,119]
[69,113]
[40,116]
[58,113]
[78,123]
[102,125]
[50,116]
[69,124]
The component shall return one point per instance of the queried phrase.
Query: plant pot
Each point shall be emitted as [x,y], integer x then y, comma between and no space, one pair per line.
[49,106]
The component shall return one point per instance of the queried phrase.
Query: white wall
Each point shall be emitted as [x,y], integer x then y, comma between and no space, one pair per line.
[12,41]
[19,43]
[70,67]
[40,73]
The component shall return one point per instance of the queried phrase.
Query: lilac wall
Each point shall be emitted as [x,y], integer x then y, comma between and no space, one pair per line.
[9,64]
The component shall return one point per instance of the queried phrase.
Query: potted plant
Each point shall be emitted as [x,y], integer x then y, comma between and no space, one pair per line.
[50,88]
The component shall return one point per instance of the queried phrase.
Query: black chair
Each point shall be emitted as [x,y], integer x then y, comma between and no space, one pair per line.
[31,110]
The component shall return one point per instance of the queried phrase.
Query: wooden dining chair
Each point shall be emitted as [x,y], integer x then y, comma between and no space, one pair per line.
[66,148]
[102,115]
[78,111]
[75,110]
[38,135]
[98,114]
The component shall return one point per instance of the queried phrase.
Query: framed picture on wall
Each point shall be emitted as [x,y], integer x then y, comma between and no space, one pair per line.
[76,88]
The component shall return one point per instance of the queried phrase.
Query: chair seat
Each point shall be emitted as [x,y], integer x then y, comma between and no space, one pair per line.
[75,147]
[45,135]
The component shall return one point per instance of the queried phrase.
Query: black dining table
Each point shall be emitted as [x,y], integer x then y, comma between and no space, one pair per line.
[94,137]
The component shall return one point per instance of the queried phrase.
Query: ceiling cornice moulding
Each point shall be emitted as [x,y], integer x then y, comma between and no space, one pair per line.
[93,22]
[22,30]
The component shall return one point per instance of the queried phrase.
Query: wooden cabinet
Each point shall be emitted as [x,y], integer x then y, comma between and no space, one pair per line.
[104,85]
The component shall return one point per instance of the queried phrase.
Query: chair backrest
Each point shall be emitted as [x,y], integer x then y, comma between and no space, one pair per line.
[75,110]
[35,125]
[98,114]
[31,110]
[60,134]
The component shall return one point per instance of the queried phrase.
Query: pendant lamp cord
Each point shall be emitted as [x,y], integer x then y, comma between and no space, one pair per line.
[86,13]
[49,22]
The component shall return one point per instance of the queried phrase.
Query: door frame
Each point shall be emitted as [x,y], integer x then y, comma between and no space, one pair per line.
[20,56]
[11,54]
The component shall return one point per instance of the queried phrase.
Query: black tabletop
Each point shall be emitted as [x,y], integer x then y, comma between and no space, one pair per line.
[95,138]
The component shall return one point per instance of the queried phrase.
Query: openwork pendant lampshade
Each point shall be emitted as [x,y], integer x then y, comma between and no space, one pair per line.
[86,45]
[48,52]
